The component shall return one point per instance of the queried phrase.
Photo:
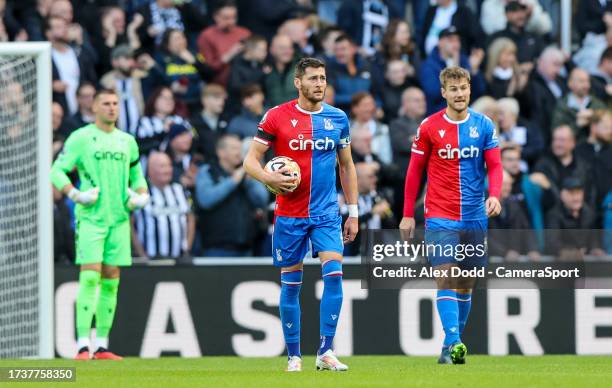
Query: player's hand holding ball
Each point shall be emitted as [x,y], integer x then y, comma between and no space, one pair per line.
[284,175]
[85,198]
[137,201]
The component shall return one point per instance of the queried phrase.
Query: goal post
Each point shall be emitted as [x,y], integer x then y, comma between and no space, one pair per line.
[26,212]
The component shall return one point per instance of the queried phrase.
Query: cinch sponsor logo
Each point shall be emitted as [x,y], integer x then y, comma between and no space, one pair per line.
[458,153]
[302,144]
[107,155]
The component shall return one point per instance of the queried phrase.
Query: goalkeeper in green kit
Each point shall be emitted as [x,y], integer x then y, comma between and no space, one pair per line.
[112,184]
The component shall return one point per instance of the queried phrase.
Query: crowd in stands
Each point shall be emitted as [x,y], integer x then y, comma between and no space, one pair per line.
[195,77]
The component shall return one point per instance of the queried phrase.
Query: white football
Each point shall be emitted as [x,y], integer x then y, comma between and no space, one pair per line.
[279,162]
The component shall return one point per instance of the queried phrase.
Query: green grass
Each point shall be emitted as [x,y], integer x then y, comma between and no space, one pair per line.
[365,371]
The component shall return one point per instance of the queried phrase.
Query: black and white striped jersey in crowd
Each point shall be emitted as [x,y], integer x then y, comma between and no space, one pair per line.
[161,226]
[151,126]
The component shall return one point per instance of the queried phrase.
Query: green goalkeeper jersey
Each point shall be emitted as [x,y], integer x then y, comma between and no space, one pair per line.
[107,160]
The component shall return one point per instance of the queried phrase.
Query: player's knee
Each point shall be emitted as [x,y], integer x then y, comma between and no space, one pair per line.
[89,278]
[110,271]
[291,282]
[332,274]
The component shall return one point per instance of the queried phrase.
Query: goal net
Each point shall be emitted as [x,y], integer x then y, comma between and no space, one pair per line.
[26,255]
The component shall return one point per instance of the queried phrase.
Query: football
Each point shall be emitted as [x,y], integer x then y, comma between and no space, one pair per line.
[279,162]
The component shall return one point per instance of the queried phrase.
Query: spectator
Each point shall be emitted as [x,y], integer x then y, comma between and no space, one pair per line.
[165,228]
[228,202]
[593,45]
[128,81]
[298,31]
[528,44]
[77,37]
[10,28]
[69,68]
[160,15]
[396,81]
[563,220]
[279,81]
[114,33]
[449,13]
[374,208]
[264,17]
[363,112]
[159,115]
[402,132]
[493,16]
[210,123]
[327,41]
[365,22]
[576,108]
[544,89]
[597,152]
[514,130]
[34,17]
[246,123]
[60,131]
[178,146]
[560,162]
[403,129]
[590,17]
[601,78]
[85,115]
[398,45]
[63,234]
[248,68]
[487,105]
[349,72]
[448,53]
[509,236]
[504,76]
[182,71]
[221,42]
[361,150]
[528,190]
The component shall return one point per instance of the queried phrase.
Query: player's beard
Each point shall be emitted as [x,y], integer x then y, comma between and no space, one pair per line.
[311,96]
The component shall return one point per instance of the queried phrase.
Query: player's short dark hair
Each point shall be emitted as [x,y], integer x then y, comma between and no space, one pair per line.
[606,55]
[454,73]
[249,90]
[104,91]
[305,63]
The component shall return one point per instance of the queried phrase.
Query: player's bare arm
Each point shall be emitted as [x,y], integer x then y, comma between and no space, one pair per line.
[253,167]
[348,179]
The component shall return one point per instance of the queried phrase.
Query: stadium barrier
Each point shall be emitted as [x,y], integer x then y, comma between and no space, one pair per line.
[230,307]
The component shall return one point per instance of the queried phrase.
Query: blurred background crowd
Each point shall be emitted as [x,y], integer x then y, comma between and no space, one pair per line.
[195,78]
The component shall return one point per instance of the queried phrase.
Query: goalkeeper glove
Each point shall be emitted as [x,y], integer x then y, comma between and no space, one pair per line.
[137,201]
[86,198]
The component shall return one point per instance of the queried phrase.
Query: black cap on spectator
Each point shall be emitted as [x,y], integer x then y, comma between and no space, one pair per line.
[572,183]
[514,5]
[122,51]
[176,130]
[448,31]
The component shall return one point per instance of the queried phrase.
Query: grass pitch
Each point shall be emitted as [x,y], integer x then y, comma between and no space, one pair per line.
[365,371]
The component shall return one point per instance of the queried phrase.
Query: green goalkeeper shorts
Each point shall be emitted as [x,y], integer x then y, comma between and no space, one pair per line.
[108,245]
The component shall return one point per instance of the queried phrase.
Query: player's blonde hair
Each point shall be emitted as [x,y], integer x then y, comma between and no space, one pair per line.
[455,73]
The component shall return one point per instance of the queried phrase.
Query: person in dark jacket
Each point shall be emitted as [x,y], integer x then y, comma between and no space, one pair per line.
[544,89]
[350,73]
[449,52]
[572,224]
[210,123]
[513,129]
[246,69]
[463,19]
[228,201]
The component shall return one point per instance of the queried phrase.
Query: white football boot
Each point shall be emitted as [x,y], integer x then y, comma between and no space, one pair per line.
[294,364]
[329,361]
